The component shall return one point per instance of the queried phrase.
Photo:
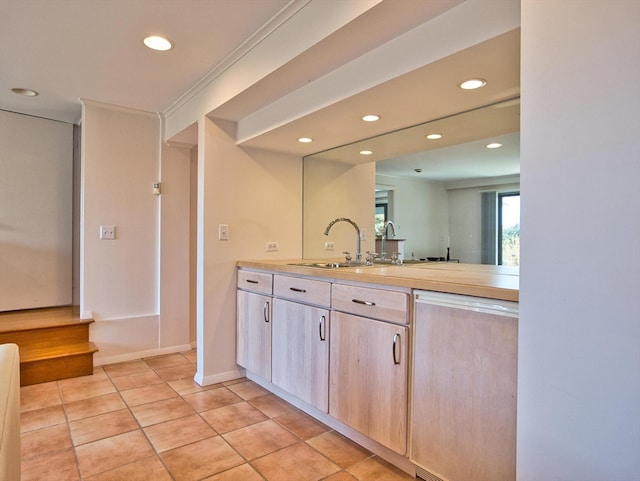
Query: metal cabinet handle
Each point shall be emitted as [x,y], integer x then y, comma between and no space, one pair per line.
[322,329]
[251,281]
[266,311]
[297,289]
[396,338]
[366,303]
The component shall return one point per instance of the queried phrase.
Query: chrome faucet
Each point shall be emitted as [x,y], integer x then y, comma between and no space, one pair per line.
[345,219]
[387,224]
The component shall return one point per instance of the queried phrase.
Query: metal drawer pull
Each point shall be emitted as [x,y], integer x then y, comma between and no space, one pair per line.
[251,281]
[396,338]
[321,331]
[266,311]
[296,289]
[366,303]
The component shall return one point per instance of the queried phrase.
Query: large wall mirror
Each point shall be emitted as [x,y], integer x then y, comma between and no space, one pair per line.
[457,194]
[449,195]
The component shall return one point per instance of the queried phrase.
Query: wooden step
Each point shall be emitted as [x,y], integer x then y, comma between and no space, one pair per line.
[54,364]
[54,343]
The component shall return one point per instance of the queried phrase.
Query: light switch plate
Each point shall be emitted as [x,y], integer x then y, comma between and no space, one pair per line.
[223,232]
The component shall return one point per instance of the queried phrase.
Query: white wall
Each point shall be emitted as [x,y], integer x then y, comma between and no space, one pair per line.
[579,334]
[333,190]
[175,247]
[421,215]
[258,195]
[120,278]
[36,171]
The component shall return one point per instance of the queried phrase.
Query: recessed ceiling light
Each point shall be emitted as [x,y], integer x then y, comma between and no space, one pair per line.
[155,42]
[433,136]
[366,152]
[494,145]
[474,83]
[305,140]
[371,118]
[25,92]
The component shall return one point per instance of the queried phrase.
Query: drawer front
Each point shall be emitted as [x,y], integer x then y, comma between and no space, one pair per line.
[302,290]
[380,304]
[255,281]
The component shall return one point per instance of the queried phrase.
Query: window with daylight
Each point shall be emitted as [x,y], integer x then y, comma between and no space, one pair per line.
[509,229]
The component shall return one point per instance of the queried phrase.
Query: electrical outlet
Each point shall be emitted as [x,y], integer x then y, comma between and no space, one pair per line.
[363,234]
[223,232]
[272,246]
[329,246]
[107,232]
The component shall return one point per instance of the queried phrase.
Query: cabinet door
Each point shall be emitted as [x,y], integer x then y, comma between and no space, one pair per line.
[368,378]
[300,353]
[254,333]
[464,394]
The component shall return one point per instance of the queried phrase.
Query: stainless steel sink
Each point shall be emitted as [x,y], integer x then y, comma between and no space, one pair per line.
[414,261]
[388,262]
[326,265]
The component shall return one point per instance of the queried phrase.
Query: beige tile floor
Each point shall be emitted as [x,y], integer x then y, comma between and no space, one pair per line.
[147,420]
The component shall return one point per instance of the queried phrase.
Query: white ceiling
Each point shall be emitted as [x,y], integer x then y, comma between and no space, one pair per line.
[427,93]
[70,50]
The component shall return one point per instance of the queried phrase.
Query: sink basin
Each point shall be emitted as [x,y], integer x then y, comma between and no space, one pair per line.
[387,262]
[326,265]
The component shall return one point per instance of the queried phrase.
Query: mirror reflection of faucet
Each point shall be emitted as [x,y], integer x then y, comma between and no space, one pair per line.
[385,229]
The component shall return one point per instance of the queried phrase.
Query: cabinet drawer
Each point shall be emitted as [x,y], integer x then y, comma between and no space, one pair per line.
[255,281]
[303,290]
[380,304]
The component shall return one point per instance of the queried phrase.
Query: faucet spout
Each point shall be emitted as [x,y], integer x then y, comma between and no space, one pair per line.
[387,224]
[355,226]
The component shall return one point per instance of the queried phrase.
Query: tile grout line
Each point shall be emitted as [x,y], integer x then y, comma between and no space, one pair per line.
[277,419]
[144,433]
[68,426]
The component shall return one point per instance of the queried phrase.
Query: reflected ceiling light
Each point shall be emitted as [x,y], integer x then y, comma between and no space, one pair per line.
[155,42]
[25,92]
[433,136]
[366,152]
[474,83]
[371,118]
[305,140]
[494,145]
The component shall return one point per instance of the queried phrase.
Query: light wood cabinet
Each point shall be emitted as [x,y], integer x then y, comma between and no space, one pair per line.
[464,388]
[253,336]
[382,304]
[368,378]
[307,291]
[300,355]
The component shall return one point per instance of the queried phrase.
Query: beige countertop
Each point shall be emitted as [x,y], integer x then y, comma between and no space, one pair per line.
[493,282]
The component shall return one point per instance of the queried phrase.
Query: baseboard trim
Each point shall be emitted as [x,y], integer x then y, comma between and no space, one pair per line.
[132,356]
[219,377]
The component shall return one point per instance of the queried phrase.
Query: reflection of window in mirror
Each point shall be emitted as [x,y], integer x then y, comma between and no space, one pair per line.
[381,217]
[384,208]
[509,229]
